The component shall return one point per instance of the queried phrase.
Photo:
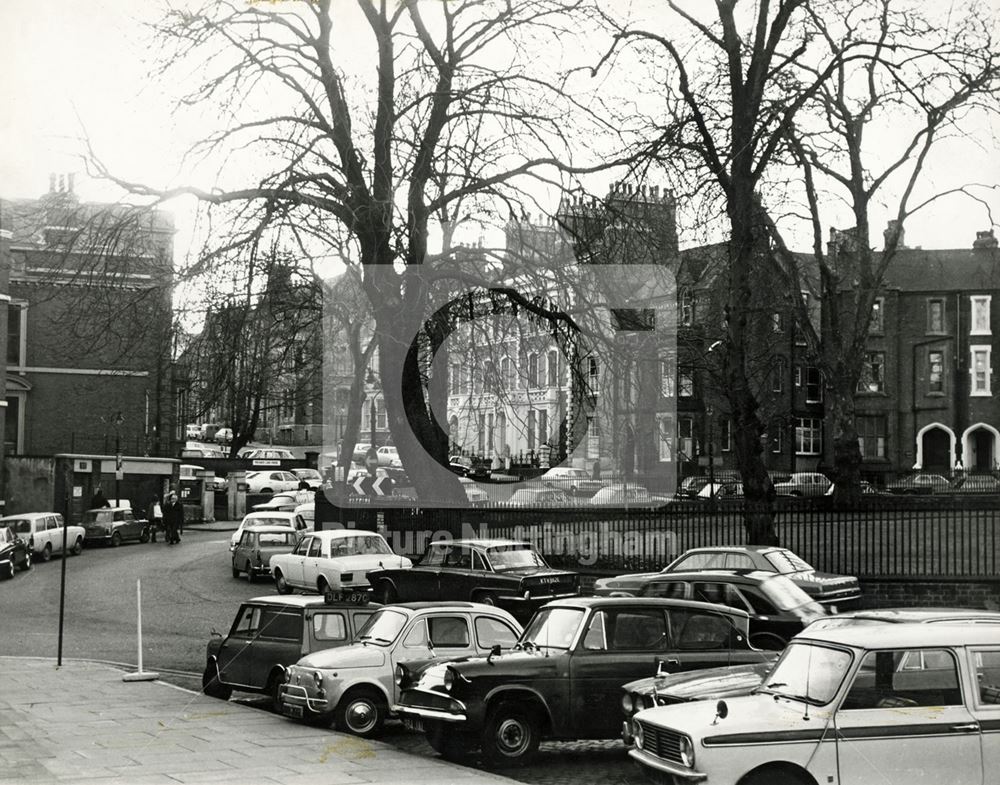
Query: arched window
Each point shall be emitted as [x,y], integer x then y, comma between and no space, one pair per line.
[532,370]
[552,368]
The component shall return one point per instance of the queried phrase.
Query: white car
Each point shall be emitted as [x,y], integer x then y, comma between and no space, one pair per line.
[266,453]
[893,703]
[389,456]
[224,435]
[280,501]
[573,481]
[43,531]
[311,476]
[271,482]
[192,431]
[334,560]
[627,495]
[271,518]
[473,492]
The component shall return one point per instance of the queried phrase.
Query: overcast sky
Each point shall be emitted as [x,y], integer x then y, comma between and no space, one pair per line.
[68,65]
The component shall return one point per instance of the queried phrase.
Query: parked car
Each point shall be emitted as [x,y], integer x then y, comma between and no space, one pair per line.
[476,495]
[202,452]
[867,489]
[285,518]
[43,531]
[803,484]
[920,484]
[690,486]
[311,476]
[266,453]
[720,490]
[459,464]
[908,703]
[507,573]
[735,680]
[224,435]
[280,501]
[563,680]
[270,633]
[358,456]
[576,482]
[622,494]
[977,483]
[334,560]
[271,481]
[113,526]
[389,456]
[355,686]
[778,608]
[257,545]
[540,497]
[14,553]
[192,431]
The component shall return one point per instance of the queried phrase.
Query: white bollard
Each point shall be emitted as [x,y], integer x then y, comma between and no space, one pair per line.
[140,675]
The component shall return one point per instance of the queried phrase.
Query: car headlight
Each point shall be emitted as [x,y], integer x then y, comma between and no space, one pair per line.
[318,678]
[449,679]
[400,675]
[628,704]
[686,751]
[638,737]
[527,594]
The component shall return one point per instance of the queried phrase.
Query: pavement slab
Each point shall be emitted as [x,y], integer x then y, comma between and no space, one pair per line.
[81,724]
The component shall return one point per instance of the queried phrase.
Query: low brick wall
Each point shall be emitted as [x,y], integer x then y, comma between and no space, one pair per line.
[910,592]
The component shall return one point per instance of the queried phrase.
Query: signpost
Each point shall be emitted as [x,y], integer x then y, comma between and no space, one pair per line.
[366,485]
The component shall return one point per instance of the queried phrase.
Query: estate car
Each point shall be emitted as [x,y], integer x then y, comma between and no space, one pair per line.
[44,533]
[894,704]
[269,634]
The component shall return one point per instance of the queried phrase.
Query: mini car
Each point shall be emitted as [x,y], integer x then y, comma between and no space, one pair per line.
[540,497]
[270,633]
[354,686]
[224,435]
[285,518]
[389,456]
[334,560]
[690,486]
[894,704]
[257,545]
[311,476]
[14,553]
[43,531]
[114,526]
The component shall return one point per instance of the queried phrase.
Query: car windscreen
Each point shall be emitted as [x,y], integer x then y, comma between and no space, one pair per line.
[269,522]
[553,628]
[512,557]
[808,672]
[786,562]
[359,545]
[382,627]
[21,526]
[785,594]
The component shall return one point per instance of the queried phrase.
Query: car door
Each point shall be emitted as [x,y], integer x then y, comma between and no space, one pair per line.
[235,652]
[457,578]
[312,563]
[706,639]
[53,532]
[446,635]
[984,665]
[421,582]
[294,562]
[492,631]
[278,642]
[619,644]
[904,721]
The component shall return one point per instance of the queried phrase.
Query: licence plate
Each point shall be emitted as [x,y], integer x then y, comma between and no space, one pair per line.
[291,711]
[413,724]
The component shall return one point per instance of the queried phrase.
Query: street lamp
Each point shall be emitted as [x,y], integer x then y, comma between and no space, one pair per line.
[372,386]
[710,414]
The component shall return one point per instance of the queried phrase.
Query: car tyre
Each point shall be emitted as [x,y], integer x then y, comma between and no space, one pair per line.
[267,490]
[773,776]
[322,586]
[144,535]
[386,593]
[47,552]
[116,540]
[485,597]
[768,641]
[211,685]
[250,573]
[446,742]
[361,712]
[274,682]
[26,564]
[511,735]
[281,584]
[236,570]
[78,547]
[10,571]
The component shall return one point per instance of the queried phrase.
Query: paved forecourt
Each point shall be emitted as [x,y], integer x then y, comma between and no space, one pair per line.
[82,724]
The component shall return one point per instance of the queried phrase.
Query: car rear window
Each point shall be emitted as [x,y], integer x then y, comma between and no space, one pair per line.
[280,625]
[21,527]
[274,539]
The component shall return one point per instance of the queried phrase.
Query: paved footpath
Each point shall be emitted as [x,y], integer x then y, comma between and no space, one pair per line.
[83,724]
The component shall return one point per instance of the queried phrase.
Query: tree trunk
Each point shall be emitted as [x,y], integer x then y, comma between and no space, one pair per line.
[846,450]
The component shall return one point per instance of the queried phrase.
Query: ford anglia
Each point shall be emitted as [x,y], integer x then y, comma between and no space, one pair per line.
[896,704]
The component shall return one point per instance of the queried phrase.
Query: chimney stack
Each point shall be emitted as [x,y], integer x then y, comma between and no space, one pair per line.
[985,239]
[70,178]
[52,182]
[892,227]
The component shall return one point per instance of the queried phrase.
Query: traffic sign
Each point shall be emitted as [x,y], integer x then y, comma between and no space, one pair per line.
[366,485]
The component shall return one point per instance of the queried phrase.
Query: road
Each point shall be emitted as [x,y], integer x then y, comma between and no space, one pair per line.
[187,590]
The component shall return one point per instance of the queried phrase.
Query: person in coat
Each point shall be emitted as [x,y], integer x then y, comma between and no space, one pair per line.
[173,518]
[99,500]
[155,516]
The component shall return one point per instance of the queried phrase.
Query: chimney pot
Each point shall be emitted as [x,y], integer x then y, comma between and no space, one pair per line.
[70,179]
[986,239]
[52,183]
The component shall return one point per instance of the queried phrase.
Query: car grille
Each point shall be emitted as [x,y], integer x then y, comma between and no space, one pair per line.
[661,742]
[425,700]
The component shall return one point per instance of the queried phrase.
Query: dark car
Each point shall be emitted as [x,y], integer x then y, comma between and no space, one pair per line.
[563,679]
[778,608]
[920,484]
[506,573]
[14,553]
[840,591]
[977,483]
[257,545]
[271,633]
[113,526]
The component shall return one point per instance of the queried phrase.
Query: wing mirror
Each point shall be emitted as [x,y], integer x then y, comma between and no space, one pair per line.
[495,651]
[721,712]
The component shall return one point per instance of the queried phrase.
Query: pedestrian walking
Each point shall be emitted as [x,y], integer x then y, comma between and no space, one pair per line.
[155,516]
[99,500]
[173,518]
[304,494]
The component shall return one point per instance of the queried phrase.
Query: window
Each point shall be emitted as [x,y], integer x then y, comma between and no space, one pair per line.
[315,547]
[687,306]
[416,638]
[778,321]
[814,385]
[778,375]
[507,373]
[639,630]
[552,368]
[872,373]
[448,632]
[988,676]
[491,432]
[726,438]
[894,679]
[330,627]
[666,377]
[17,322]
[280,625]
[798,375]
[777,432]
[871,435]
[596,638]
[935,315]
[543,426]
[593,438]
[592,371]
[481,435]
[665,442]
[531,430]
[490,632]
[685,436]
[935,372]
[718,593]
[491,382]
[980,322]
[877,324]
[980,370]
[532,370]
[698,631]
[673,590]
[247,621]
[380,418]
[685,382]
[435,556]
[456,375]
[808,435]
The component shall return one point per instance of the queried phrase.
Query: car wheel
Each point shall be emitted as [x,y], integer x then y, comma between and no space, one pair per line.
[767,641]
[274,682]
[361,712]
[26,564]
[211,685]
[322,586]
[386,593]
[281,584]
[116,540]
[774,776]
[144,535]
[445,741]
[78,547]
[236,570]
[267,490]
[485,598]
[511,735]
[47,552]
[10,570]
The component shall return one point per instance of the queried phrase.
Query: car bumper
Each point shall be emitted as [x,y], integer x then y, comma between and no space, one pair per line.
[89,538]
[419,705]
[296,701]
[665,771]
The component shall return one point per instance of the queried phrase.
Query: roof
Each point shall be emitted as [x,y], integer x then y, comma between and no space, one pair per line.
[306,601]
[910,635]
[30,515]
[270,529]
[482,543]
[335,534]
[955,269]
[269,514]
[916,615]
[747,575]
[735,549]
[617,602]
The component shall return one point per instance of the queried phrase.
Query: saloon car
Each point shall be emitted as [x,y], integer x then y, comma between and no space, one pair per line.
[113,526]
[920,484]
[803,484]
[257,545]
[507,573]
[897,704]
[270,633]
[829,589]
[540,497]
[563,679]
[572,480]
[286,518]
[43,532]
[353,687]
[14,553]
[620,494]
[271,481]
[334,560]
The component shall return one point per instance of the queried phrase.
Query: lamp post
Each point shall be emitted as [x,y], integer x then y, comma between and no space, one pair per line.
[371,384]
[710,414]
[118,456]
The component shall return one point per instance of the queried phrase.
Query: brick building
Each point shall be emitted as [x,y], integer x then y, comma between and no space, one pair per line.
[88,331]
